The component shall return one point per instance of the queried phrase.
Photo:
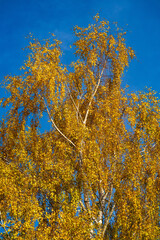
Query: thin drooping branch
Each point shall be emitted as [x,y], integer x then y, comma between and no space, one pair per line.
[51,119]
[93,94]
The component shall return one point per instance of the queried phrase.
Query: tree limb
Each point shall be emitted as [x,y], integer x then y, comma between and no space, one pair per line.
[51,119]
[77,109]
[107,220]
[93,94]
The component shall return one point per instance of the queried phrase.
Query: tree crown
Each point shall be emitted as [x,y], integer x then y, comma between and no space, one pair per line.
[95,173]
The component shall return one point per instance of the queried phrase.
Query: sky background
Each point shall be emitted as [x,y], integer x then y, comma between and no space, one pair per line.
[18,18]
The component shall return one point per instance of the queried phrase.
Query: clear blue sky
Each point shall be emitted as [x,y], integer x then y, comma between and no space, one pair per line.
[20,17]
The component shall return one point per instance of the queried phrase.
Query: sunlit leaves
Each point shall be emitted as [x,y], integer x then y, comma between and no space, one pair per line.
[94,173]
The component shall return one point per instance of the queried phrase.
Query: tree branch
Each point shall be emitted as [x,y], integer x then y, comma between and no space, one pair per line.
[51,119]
[102,197]
[111,212]
[93,94]
[84,209]
[77,109]
[107,220]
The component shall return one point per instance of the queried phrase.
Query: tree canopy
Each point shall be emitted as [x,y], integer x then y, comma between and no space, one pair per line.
[96,173]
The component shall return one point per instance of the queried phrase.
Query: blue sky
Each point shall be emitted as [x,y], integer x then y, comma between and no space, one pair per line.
[40,17]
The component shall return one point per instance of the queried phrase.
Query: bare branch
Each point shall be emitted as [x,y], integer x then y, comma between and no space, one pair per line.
[105,196]
[106,212]
[107,220]
[86,198]
[93,94]
[109,201]
[102,197]
[84,209]
[82,205]
[77,109]
[152,147]
[51,119]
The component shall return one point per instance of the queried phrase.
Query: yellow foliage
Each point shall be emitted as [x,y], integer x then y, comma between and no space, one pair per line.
[94,173]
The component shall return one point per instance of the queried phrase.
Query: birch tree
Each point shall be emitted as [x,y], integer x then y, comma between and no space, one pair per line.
[95,173]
